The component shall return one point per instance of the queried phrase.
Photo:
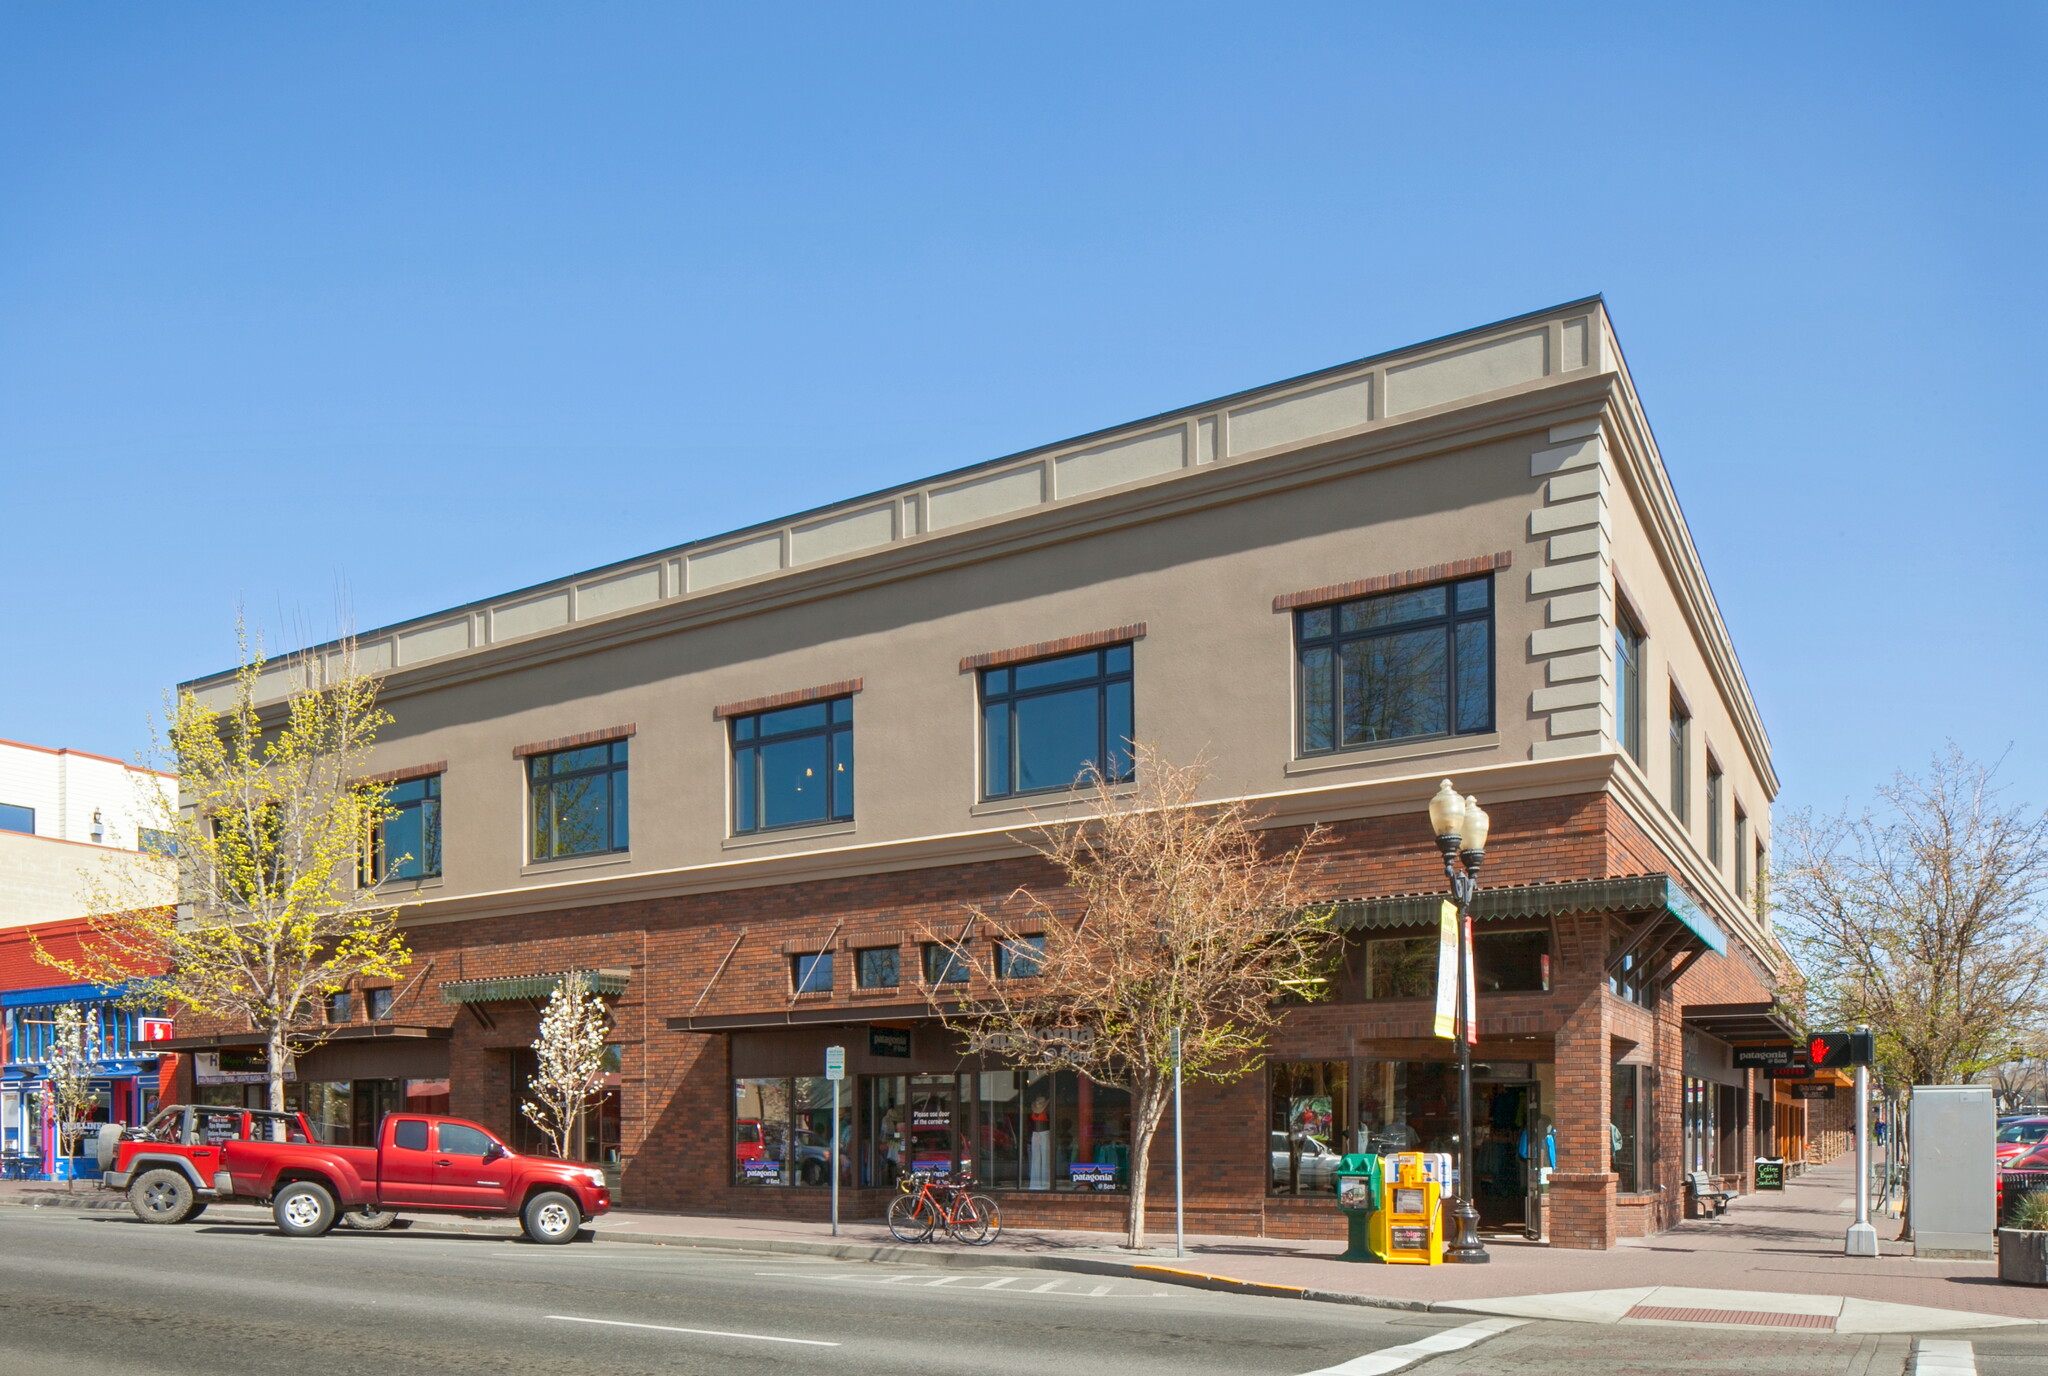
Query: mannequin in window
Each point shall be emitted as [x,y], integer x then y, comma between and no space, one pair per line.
[1040,1129]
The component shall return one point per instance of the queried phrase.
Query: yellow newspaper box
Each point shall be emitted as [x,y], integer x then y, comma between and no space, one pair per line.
[1409,1224]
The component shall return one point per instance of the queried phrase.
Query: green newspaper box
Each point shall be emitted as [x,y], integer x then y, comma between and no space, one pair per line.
[1358,1195]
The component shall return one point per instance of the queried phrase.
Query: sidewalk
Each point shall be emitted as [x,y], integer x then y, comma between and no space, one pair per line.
[1787,1244]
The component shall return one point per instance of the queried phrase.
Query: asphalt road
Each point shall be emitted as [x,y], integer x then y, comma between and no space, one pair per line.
[100,1295]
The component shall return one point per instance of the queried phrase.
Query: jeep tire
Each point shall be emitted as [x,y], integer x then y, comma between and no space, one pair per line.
[162,1196]
[304,1208]
[551,1217]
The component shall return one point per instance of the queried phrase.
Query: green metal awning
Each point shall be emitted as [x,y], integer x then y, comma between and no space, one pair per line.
[609,983]
[1633,894]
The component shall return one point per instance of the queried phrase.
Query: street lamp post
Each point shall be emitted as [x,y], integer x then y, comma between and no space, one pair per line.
[1461,825]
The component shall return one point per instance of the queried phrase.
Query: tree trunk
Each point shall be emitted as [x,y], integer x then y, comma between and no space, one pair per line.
[1148,1105]
[278,1048]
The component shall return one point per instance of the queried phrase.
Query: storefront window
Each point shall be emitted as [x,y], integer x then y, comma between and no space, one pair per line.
[1624,1135]
[782,1131]
[1511,962]
[1702,1126]
[1309,1126]
[1012,1129]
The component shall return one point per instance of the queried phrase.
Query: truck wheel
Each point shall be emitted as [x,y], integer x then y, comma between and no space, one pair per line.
[552,1217]
[161,1196]
[369,1219]
[304,1209]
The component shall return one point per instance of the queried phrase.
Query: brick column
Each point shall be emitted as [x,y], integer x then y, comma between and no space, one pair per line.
[1582,1186]
[1666,1148]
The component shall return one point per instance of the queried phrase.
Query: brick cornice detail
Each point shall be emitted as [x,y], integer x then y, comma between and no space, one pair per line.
[1046,648]
[1390,582]
[609,733]
[843,688]
[399,776]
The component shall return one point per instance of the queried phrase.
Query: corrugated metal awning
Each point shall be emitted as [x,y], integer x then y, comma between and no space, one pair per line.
[609,983]
[1632,894]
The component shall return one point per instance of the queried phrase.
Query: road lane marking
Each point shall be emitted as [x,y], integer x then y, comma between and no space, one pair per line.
[998,1284]
[1052,1287]
[1943,1357]
[1390,1359]
[701,1332]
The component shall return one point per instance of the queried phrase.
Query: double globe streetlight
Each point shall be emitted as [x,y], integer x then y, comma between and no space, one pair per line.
[1461,825]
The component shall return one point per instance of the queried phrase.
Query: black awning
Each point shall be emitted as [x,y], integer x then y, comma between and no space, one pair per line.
[513,988]
[1632,894]
[1742,1022]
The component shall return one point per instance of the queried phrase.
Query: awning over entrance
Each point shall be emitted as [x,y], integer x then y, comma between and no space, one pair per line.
[1742,1022]
[608,983]
[1634,894]
[375,1031]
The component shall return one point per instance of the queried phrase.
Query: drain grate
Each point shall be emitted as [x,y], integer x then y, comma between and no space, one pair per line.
[1758,1318]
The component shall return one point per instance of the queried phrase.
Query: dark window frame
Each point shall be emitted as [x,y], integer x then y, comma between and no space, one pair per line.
[861,967]
[1741,851]
[1115,669]
[745,742]
[1309,640]
[340,1007]
[1629,643]
[613,770]
[1680,732]
[1716,804]
[428,805]
[378,1003]
[1020,957]
[804,971]
[958,967]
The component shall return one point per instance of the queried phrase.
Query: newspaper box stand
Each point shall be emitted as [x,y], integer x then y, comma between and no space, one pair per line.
[1408,1227]
[1358,1195]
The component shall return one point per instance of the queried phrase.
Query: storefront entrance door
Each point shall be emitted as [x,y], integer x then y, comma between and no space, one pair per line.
[934,1138]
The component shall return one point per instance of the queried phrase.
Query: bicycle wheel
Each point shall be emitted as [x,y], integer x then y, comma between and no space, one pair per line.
[976,1221]
[911,1218]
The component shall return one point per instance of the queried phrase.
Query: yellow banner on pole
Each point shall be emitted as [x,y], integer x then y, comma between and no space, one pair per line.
[1447,944]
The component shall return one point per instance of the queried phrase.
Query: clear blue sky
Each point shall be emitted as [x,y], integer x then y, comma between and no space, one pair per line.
[390,306]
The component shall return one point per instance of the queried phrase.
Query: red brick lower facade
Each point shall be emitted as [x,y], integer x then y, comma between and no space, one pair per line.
[708,1003]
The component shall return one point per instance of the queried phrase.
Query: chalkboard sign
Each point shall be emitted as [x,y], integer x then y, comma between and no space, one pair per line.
[1770,1173]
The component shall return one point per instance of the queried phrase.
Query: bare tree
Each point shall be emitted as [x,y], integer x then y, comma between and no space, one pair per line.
[1923,917]
[1175,920]
[72,1062]
[274,844]
[570,1049]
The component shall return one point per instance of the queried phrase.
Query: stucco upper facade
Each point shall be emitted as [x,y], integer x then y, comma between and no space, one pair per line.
[1519,448]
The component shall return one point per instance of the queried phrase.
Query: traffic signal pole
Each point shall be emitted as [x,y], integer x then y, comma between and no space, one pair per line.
[1862,1238]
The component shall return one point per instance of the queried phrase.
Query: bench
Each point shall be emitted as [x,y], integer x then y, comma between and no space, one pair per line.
[1707,1201]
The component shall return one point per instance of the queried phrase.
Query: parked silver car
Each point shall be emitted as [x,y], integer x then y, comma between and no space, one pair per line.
[1317,1170]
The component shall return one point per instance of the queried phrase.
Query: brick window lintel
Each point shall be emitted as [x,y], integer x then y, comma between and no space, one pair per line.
[609,733]
[1045,649]
[748,706]
[1390,582]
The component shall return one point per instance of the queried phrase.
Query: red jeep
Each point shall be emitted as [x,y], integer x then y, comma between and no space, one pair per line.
[192,1155]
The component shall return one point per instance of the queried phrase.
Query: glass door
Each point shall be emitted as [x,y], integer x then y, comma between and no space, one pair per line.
[933,1130]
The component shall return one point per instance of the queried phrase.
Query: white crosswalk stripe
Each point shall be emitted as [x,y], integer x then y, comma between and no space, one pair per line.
[1391,1359]
[1074,1289]
[1943,1357]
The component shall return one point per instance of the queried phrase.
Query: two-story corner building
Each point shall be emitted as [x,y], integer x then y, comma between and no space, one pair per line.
[1461,559]
[70,821]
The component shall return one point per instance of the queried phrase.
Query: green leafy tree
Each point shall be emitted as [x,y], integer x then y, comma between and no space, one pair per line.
[272,842]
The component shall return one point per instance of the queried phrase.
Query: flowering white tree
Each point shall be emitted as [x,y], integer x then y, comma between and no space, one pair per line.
[571,1051]
[72,1060]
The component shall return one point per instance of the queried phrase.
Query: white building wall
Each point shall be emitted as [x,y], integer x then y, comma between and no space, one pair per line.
[48,876]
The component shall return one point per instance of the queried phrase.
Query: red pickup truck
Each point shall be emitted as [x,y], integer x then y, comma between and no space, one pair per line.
[191,1155]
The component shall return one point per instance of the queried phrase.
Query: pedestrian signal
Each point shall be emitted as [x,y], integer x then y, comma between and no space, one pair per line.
[1825,1049]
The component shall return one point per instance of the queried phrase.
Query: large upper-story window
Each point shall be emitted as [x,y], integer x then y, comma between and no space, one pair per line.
[1046,723]
[409,840]
[1418,662]
[1681,758]
[1714,805]
[1628,686]
[14,817]
[579,801]
[793,766]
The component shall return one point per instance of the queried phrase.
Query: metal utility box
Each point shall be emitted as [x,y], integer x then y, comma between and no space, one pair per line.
[1953,1163]
[1409,1224]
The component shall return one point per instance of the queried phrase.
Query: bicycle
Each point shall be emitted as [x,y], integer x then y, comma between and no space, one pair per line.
[928,1200]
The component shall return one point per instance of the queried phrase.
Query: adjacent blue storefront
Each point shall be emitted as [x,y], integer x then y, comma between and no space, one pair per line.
[124,1082]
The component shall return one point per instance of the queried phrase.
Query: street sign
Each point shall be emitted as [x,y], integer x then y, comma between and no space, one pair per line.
[1811,1091]
[155,1029]
[1764,1057]
[835,1062]
[1841,1048]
